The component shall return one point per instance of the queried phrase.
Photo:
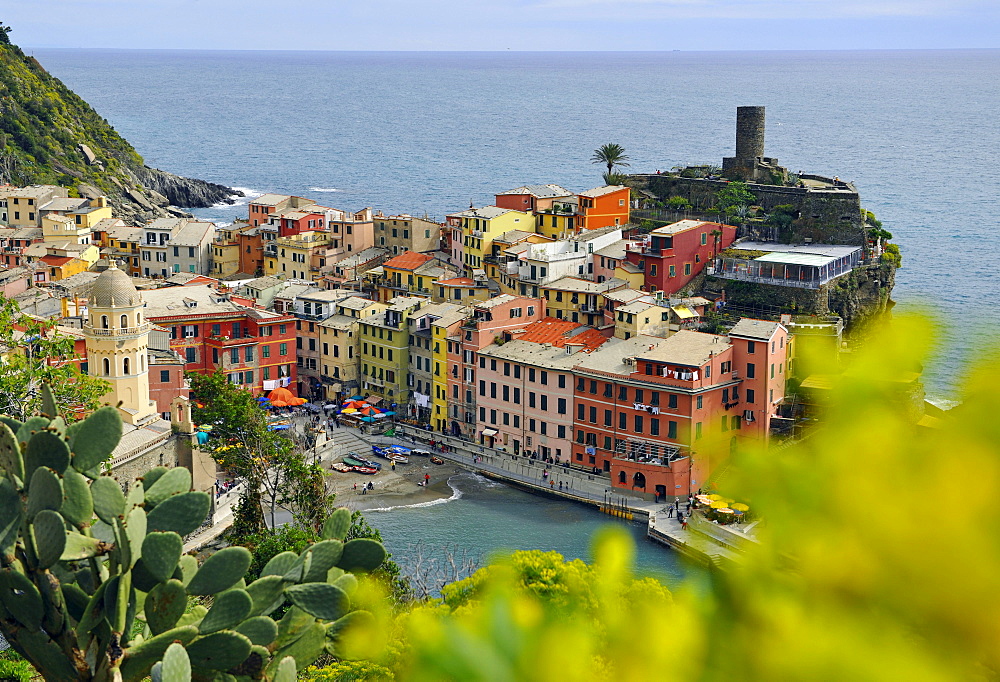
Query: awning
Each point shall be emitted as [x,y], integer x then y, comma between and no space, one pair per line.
[683,312]
[373,399]
[490,432]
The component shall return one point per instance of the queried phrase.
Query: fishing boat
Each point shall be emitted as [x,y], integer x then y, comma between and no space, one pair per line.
[356,460]
[341,467]
[398,459]
[437,460]
[368,471]
[393,452]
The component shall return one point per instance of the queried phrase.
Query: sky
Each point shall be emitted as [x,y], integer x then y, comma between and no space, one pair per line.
[525,25]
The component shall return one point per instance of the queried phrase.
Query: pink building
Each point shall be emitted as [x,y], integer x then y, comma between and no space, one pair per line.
[525,388]
[489,320]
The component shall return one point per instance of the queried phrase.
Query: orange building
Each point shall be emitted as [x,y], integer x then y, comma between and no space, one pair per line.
[603,206]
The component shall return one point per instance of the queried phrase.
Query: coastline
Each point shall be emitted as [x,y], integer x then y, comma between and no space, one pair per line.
[397,488]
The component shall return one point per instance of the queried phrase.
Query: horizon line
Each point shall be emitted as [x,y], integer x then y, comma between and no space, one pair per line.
[514,51]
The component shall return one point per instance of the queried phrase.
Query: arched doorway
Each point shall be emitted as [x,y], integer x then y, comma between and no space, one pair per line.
[639,480]
[622,478]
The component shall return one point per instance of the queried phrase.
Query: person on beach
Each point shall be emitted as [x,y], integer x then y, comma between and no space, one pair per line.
[427,479]
[670,512]
[393,465]
[684,524]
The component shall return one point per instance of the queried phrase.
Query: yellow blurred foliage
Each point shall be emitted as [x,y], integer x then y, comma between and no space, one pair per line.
[880,560]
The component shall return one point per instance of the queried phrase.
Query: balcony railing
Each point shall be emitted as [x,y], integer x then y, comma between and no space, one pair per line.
[124,331]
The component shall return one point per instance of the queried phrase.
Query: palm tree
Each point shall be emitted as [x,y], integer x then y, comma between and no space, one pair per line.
[611,155]
[716,237]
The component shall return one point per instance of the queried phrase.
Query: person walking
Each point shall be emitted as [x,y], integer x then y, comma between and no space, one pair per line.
[393,465]
[670,512]
[427,480]
[684,524]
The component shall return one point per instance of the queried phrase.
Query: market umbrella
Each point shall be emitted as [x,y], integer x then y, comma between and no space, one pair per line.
[719,504]
[390,413]
[740,507]
[349,410]
[725,510]
[369,410]
[262,399]
[281,397]
[368,419]
[358,397]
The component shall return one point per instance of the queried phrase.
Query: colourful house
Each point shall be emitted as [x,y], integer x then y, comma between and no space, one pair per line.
[474,230]
[674,254]
[603,206]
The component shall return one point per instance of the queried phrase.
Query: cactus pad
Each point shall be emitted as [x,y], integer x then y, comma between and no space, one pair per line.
[109,500]
[280,564]
[165,604]
[44,492]
[323,556]
[49,530]
[161,552]
[10,453]
[321,600]
[46,449]
[174,482]
[306,649]
[267,593]
[362,554]
[219,650]
[260,630]
[21,599]
[181,513]
[176,666]
[78,505]
[139,659]
[230,609]
[95,438]
[152,476]
[220,571]
[337,524]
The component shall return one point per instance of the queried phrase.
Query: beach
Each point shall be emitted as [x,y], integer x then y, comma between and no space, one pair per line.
[399,488]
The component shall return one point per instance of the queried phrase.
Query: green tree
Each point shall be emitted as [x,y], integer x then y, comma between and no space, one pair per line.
[611,155]
[716,238]
[265,460]
[733,196]
[36,354]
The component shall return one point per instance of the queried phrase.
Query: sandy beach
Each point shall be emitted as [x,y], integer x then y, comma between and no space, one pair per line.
[393,488]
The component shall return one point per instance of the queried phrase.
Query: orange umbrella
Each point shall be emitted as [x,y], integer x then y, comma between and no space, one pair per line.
[281,397]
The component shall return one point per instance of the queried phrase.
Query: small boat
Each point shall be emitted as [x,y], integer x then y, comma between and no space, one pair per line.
[356,460]
[437,460]
[368,471]
[341,467]
[399,459]
[420,453]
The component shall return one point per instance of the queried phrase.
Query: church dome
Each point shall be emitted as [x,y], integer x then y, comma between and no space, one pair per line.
[113,288]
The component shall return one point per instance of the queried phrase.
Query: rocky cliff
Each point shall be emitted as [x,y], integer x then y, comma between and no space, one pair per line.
[49,135]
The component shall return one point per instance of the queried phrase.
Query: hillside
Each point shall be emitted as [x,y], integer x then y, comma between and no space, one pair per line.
[49,135]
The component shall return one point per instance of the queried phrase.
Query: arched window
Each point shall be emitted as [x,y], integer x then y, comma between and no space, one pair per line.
[107,367]
[638,481]
[124,321]
[104,321]
[142,362]
[138,319]
[621,476]
[125,367]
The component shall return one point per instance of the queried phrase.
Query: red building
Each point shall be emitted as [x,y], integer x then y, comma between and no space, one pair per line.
[674,254]
[294,221]
[661,414]
[211,330]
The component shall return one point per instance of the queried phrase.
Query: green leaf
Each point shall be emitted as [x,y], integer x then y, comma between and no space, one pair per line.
[230,609]
[321,600]
[10,453]
[152,476]
[182,514]
[160,554]
[362,554]
[76,600]
[280,564]
[306,649]
[347,582]
[109,500]
[285,671]
[96,438]
[33,425]
[220,571]
[174,482]
[165,604]
[141,657]
[78,504]
[337,524]
[268,593]
[189,568]
[49,530]
[260,630]
[219,650]
[44,492]
[11,514]
[21,599]
[46,449]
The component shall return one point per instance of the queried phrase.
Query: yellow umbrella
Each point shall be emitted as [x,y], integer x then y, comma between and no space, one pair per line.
[719,504]
[349,410]
[714,496]
[739,506]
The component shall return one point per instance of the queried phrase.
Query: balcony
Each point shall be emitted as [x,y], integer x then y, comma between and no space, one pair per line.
[591,309]
[124,331]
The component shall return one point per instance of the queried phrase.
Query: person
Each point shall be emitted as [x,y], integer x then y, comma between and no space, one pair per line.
[393,465]
[355,486]
[545,474]
[427,479]
[670,512]
[689,509]
[371,486]
[684,524]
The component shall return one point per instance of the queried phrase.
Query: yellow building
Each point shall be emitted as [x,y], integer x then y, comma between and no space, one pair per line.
[577,300]
[559,220]
[473,232]
[65,260]
[298,256]
[90,213]
[339,345]
[440,331]
[117,344]
[226,252]
[463,290]
[22,206]
[385,350]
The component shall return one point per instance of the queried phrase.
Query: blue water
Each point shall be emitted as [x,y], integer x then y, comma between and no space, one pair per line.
[486,517]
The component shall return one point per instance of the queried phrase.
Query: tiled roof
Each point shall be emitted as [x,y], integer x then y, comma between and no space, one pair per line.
[55,260]
[601,191]
[408,260]
[560,332]
[540,191]
[754,329]
[457,282]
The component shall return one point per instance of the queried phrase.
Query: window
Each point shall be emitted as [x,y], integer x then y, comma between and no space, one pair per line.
[704,238]
[283,349]
[671,429]
[189,354]
[560,430]
[164,375]
[654,427]
[234,354]
[107,367]
[580,409]
[673,271]
[697,430]
[638,423]
[772,370]
[248,354]
[751,370]
[750,395]
[698,402]
[687,268]
[545,378]
[725,422]
[544,402]
[751,347]
[672,400]
[622,421]
[561,406]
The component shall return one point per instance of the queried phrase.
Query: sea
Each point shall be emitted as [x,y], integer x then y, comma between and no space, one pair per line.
[429,133]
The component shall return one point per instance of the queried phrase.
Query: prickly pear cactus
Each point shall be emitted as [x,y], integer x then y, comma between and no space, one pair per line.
[85,566]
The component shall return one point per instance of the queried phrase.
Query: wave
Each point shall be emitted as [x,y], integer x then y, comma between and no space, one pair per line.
[456,494]
[325,189]
[248,195]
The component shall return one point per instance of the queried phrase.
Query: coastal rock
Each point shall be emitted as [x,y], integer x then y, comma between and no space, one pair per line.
[185,192]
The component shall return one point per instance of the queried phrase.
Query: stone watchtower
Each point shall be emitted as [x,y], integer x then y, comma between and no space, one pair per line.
[750,164]
[117,339]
